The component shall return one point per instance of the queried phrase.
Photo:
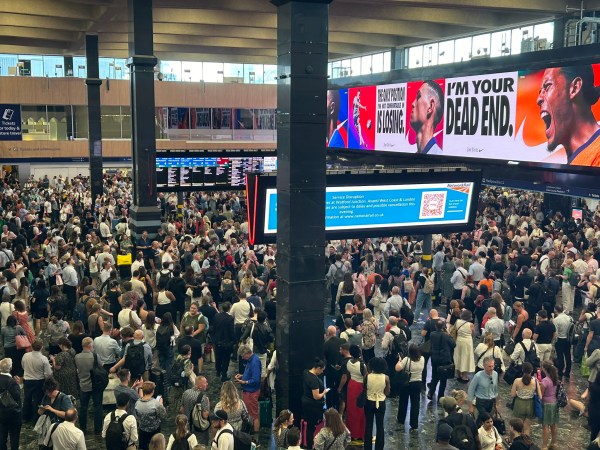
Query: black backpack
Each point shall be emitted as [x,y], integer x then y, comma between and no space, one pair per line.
[99,376]
[531,355]
[399,345]
[241,440]
[228,292]
[462,436]
[164,277]
[212,277]
[181,444]
[163,338]
[115,433]
[135,360]
[407,314]
[176,378]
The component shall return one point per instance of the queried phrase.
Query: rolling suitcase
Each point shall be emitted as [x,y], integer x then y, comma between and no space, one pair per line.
[265,412]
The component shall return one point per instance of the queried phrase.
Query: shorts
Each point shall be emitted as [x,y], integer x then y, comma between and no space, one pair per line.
[263,364]
[40,314]
[251,402]
[523,408]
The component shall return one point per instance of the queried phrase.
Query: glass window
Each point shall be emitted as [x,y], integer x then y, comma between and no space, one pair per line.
[212,72]
[233,73]
[387,61]
[500,45]
[415,57]
[59,125]
[462,49]
[481,45]
[110,116]
[366,66]
[126,122]
[271,73]
[522,40]
[430,54]
[179,119]
[107,66]
[191,71]
[200,118]
[121,69]
[354,67]
[336,67]
[377,62]
[446,52]
[32,66]
[171,70]
[253,73]
[79,67]
[221,118]
[544,35]
[34,123]
[244,119]
[8,65]
[329,70]
[265,119]
[80,121]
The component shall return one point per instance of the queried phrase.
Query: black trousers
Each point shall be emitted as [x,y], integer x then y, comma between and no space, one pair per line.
[373,414]
[412,392]
[71,294]
[483,405]
[222,356]
[435,380]
[10,427]
[33,391]
[563,358]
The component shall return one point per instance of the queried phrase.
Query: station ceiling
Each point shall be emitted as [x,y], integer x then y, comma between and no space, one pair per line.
[245,30]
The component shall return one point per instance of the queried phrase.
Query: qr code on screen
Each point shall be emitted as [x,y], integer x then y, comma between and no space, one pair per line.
[433,205]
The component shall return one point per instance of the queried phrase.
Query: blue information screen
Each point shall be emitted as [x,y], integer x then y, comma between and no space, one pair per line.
[387,206]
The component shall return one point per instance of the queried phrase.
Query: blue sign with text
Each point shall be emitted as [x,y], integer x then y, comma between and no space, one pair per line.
[10,122]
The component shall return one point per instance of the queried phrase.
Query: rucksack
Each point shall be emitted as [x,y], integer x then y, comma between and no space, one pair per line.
[176,371]
[228,291]
[338,275]
[574,278]
[163,338]
[164,277]
[135,360]
[241,440]
[399,344]
[212,277]
[429,285]
[597,295]
[181,444]
[99,376]
[196,420]
[79,313]
[355,338]
[115,433]
[531,355]
[462,436]
[407,314]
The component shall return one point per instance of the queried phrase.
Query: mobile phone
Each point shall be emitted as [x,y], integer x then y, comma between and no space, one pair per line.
[158,397]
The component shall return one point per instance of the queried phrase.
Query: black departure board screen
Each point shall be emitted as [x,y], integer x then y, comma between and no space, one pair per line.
[180,173]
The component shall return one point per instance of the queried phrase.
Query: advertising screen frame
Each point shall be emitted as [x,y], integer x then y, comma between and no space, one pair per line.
[257,186]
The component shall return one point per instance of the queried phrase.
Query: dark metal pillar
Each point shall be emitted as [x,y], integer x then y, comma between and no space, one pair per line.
[145,213]
[427,254]
[93,83]
[302,43]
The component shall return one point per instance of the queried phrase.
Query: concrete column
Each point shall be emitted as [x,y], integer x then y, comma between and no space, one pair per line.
[93,83]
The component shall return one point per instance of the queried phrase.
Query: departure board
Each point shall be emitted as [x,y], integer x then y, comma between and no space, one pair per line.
[175,173]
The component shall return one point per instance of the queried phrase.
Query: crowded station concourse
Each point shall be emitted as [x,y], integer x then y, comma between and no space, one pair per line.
[173,338]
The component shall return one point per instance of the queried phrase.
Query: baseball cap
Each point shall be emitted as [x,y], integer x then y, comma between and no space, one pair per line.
[222,415]
[448,403]
[89,289]
[444,432]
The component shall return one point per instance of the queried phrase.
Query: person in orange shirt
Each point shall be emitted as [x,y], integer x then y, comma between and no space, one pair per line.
[565,100]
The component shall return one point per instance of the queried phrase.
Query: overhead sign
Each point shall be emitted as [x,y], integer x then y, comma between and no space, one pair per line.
[547,116]
[10,122]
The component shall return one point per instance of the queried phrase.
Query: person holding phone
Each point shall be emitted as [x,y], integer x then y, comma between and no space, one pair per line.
[149,412]
[313,399]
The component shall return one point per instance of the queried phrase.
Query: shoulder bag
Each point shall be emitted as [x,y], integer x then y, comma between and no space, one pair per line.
[537,402]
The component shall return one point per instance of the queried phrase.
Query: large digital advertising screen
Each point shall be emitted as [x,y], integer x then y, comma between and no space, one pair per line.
[375,204]
[547,116]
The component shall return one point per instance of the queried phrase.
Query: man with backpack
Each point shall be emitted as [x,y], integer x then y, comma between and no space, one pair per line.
[212,277]
[195,405]
[87,362]
[335,275]
[137,357]
[460,428]
[224,439]
[526,351]
[120,428]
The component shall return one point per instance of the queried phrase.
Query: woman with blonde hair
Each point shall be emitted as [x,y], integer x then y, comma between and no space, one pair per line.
[334,435]
[158,442]
[182,434]
[487,348]
[231,402]
[368,328]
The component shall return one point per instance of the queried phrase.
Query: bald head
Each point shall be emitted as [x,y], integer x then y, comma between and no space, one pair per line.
[138,335]
[395,290]
[526,333]
[331,331]
[433,313]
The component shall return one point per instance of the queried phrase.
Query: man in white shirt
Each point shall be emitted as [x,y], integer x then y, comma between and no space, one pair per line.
[139,262]
[129,318]
[458,279]
[396,301]
[494,325]
[130,431]
[518,355]
[476,269]
[107,349]
[66,436]
[224,431]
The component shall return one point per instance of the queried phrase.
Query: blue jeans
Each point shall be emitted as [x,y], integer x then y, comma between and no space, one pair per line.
[423,302]
[96,397]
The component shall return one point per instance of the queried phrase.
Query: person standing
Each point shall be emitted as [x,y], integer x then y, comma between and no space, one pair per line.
[562,322]
[250,382]
[313,399]
[413,364]
[10,415]
[66,436]
[483,389]
[70,283]
[548,386]
[544,335]
[84,362]
[190,399]
[356,371]
[377,385]
[36,368]
[223,439]
[149,412]
[442,349]
[463,354]
[223,336]
[130,432]
[334,435]
[106,348]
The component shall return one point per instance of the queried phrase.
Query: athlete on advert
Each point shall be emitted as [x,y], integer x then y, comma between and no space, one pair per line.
[356,107]
[427,112]
[565,100]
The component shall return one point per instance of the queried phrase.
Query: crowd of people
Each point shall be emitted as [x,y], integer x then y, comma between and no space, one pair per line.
[88,310]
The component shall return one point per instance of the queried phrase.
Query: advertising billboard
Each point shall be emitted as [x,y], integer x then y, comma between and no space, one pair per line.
[547,116]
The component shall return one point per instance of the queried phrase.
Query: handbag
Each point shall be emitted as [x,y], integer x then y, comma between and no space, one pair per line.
[499,423]
[59,280]
[7,401]
[585,370]
[361,400]
[513,372]
[425,347]
[537,403]
[446,372]
[22,342]
[403,377]
[509,348]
